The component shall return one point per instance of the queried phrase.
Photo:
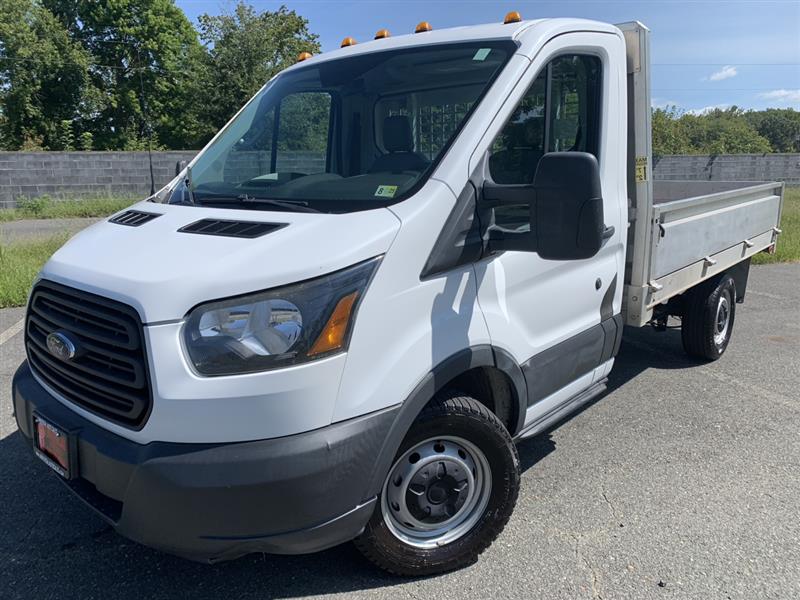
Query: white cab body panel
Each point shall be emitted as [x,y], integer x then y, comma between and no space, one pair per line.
[163,273]
[406,325]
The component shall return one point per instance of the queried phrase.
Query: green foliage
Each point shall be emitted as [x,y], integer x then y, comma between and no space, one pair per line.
[45,207]
[86,141]
[669,135]
[725,131]
[43,76]
[64,139]
[33,206]
[125,74]
[781,126]
[245,50]
[145,68]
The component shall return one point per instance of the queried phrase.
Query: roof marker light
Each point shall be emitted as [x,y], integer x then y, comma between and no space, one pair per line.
[512,17]
[303,56]
[423,27]
[383,33]
[348,41]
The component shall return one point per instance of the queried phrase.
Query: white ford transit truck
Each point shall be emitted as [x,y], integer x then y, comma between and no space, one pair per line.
[396,261]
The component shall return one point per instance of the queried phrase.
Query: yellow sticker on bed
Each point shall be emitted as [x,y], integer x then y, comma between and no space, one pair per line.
[386,191]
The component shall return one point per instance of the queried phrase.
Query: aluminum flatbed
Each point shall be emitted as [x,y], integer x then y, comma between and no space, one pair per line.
[682,232]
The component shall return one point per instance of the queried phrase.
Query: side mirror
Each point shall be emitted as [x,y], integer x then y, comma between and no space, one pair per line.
[566,209]
[568,215]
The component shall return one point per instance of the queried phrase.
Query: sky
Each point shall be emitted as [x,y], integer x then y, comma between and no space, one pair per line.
[705,53]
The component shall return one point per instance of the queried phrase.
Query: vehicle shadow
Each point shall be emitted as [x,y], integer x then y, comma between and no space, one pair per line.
[642,349]
[53,546]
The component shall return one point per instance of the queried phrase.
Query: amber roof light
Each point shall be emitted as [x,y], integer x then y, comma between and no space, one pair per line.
[383,33]
[512,17]
[423,27]
[348,41]
[303,56]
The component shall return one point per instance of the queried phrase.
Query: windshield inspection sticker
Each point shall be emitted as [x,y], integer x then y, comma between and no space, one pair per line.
[482,54]
[386,191]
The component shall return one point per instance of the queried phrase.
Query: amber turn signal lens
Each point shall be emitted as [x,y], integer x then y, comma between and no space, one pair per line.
[512,17]
[303,56]
[383,33]
[423,27]
[348,41]
[335,331]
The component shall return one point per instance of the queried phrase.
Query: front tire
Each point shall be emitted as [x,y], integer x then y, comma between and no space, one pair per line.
[708,316]
[449,493]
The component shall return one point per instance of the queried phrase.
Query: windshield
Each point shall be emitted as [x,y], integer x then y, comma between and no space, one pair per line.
[348,134]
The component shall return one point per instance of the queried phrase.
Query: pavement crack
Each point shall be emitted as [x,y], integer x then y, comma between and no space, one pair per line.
[30,530]
[580,557]
[611,506]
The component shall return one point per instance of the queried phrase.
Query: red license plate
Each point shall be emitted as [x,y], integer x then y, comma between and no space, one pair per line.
[52,445]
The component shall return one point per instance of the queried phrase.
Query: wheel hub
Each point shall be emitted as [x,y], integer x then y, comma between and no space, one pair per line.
[436,491]
[722,320]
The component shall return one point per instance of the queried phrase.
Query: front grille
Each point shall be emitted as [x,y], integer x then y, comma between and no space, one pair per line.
[108,374]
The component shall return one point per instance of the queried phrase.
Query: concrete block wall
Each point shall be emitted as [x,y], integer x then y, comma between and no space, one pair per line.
[729,167]
[92,174]
[87,174]
[83,174]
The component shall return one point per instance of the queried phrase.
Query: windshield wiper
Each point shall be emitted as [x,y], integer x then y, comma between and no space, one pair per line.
[295,205]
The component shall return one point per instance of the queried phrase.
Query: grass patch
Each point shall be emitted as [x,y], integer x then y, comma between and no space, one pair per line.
[789,240]
[19,264]
[45,207]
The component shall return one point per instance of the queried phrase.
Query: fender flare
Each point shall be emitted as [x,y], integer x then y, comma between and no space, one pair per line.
[483,355]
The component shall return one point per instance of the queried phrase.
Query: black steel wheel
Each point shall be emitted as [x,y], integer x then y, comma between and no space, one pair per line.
[708,317]
[449,493]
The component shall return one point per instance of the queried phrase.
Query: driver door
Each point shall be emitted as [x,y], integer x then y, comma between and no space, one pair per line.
[556,317]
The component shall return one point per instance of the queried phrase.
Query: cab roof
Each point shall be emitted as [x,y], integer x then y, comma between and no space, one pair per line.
[520,31]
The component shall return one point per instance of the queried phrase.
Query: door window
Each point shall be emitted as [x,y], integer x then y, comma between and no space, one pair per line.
[560,112]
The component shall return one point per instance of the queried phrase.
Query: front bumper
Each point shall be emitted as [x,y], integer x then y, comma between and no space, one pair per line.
[211,502]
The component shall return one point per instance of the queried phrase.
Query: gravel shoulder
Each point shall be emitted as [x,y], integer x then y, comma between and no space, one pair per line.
[31,229]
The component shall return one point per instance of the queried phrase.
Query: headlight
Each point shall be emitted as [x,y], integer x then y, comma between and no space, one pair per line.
[277,328]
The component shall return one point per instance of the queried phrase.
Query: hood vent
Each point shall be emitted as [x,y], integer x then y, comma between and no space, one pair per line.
[133,218]
[237,229]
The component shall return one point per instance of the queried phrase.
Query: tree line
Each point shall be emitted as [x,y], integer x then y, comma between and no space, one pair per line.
[122,75]
[725,131]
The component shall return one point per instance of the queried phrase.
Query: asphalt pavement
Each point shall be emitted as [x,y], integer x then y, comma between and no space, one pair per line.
[683,481]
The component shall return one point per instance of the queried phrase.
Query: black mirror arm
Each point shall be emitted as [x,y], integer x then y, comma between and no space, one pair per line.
[608,233]
[499,239]
[495,194]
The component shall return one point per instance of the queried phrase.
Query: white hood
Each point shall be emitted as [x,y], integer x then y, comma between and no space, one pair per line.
[163,273]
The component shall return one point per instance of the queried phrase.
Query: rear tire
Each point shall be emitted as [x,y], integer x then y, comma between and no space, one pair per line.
[708,317]
[449,493]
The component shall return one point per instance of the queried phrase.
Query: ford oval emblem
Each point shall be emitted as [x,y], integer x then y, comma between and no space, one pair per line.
[60,346]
